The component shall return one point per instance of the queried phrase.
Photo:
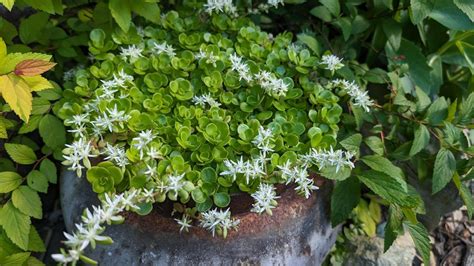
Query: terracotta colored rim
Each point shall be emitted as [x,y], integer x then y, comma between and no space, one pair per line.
[290,206]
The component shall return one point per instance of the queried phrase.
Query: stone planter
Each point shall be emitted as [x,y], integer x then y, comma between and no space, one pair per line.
[298,233]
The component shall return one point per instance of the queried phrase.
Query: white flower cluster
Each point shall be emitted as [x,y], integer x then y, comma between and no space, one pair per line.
[211,58]
[251,169]
[263,140]
[107,120]
[205,99]
[332,62]
[108,89]
[164,48]
[240,67]
[219,6]
[328,158]
[116,154]
[184,223]
[219,220]
[141,142]
[92,225]
[265,199]
[175,183]
[299,175]
[131,53]
[272,85]
[360,98]
[76,153]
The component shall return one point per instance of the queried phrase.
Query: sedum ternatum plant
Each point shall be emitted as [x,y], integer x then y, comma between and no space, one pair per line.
[198,108]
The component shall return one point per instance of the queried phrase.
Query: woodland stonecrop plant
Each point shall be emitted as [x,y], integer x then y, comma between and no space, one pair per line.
[197,109]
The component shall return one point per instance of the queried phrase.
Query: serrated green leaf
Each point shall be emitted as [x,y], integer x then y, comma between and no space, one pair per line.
[344,199]
[420,9]
[465,194]
[467,7]
[449,15]
[322,13]
[27,201]
[393,31]
[32,261]
[311,42]
[419,69]
[384,165]
[393,226]
[332,6]
[16,225]
[9,181]
[420,237]
[437,111]
[375,144]
[422,138]
[31,126]
[35,242]
[16,259]
[444,167]
[20,153]
[3,130]
[150,11]
[52,131]
[352,143]
[31,28]
[48,168]
[37,181]
[385,186]
[423,99]
[121,12]
[43,5]
[3,49]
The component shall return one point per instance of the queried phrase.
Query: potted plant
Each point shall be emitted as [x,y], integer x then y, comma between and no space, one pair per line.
[197,112]
[204,119]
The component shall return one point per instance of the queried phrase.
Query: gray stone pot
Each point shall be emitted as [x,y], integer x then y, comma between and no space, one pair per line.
[298,233]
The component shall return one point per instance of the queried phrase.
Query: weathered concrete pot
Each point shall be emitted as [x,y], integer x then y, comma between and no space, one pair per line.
[298,233]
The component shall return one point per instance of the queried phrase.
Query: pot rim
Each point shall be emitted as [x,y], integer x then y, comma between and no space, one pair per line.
[290,206]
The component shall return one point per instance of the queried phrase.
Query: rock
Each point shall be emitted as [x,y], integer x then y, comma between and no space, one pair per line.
[369,251]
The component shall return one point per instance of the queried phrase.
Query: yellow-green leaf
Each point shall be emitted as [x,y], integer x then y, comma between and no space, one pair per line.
[16,259]
[35,242]
[27,201]
[16,225]
[20,153]
[9,181]
[8,4]
[17,94]
[3,49]
[37,83]
[3,130]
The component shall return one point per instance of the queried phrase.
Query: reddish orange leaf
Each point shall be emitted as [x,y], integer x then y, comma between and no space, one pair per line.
[33,67]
